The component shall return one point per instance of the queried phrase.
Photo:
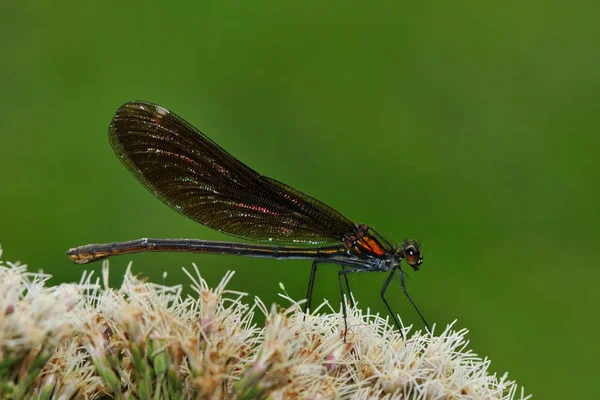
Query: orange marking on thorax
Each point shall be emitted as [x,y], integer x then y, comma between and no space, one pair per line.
[371,245]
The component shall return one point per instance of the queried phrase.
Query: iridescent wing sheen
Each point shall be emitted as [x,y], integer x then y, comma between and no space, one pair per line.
[196,177]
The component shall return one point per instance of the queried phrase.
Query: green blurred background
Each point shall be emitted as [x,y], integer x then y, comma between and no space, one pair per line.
[471,125]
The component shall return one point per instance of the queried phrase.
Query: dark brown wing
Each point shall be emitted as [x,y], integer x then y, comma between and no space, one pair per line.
[196,177]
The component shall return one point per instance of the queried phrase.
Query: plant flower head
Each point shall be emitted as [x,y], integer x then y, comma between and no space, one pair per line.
[143,340]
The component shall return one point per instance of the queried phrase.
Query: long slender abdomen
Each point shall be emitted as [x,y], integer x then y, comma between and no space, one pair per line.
[95,252]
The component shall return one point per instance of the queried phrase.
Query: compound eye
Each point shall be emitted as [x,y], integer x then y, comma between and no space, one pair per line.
[412,256]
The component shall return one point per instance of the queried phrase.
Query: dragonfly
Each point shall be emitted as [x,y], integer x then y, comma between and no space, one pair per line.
[196,177]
